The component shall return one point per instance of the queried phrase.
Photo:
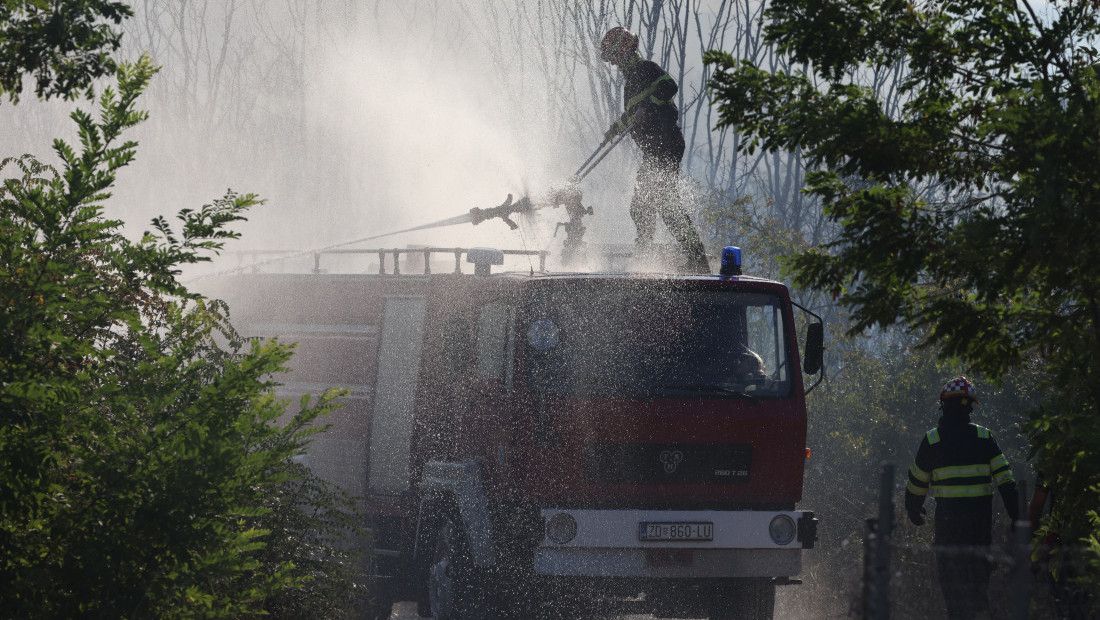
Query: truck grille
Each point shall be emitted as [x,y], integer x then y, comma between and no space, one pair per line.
[667,463]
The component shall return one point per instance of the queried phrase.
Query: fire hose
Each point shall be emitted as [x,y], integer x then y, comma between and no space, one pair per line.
[523,205]
[602,152]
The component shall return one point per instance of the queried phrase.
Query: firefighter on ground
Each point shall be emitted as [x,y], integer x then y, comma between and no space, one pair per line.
[654,124]
[961,464]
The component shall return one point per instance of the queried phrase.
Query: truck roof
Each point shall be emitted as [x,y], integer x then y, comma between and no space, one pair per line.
[757,283]
[625,275]
[516,277]
[412,264]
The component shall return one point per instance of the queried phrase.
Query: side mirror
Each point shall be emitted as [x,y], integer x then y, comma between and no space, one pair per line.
[815,348]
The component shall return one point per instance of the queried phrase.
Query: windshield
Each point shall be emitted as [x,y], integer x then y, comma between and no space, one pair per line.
[647,340]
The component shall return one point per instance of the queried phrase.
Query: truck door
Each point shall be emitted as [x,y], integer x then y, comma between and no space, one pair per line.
[399,348]
[487,426]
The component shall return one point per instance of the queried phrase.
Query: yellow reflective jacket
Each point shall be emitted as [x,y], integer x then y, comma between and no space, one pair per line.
[960,464]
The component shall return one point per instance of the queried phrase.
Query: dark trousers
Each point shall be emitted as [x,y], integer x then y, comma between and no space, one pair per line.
[657,192]
[964,579]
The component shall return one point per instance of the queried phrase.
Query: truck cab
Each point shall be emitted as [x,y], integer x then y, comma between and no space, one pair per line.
[536,441]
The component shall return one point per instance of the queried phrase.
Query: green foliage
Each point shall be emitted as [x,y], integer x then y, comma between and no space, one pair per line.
[762,235]
[62,44]
[968,213]
[148,469]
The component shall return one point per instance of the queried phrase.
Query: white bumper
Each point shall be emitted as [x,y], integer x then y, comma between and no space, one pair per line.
[608,544]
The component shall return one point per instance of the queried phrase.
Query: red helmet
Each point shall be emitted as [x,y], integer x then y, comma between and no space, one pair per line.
[618,43]
[959,387]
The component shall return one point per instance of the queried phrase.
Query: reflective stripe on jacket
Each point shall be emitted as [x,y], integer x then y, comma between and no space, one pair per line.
[972,471]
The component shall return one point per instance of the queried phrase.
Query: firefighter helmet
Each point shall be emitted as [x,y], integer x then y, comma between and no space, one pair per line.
[618,43]
[959,387]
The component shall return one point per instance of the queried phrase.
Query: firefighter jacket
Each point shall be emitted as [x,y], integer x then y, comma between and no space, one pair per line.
[961,464]
[649,89]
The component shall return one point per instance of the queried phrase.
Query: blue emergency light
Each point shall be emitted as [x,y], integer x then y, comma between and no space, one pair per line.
[731,261]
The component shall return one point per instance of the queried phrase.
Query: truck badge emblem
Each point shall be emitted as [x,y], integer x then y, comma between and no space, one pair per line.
[671,460]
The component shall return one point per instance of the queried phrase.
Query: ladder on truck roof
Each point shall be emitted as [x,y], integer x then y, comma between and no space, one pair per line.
[616,258]
[422,253]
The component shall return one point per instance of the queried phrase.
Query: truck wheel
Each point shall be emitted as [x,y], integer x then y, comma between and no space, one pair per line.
[377,598]
[453,590]
[744,600]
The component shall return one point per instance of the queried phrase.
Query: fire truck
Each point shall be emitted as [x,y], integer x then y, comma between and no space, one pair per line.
[529,442]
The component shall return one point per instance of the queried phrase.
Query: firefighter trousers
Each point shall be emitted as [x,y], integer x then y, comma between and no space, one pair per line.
[964,579]
[657,192]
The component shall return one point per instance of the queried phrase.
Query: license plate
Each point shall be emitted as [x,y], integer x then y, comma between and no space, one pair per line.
[676,530]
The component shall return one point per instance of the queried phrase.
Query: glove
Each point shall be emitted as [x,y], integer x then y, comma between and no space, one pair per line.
[618,126]
[917,517]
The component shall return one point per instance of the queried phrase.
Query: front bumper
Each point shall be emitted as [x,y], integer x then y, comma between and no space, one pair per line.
[607,544]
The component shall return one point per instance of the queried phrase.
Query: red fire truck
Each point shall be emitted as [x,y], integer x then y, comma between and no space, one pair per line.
[534,443]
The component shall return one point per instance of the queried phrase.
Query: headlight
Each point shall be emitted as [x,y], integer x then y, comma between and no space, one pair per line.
[561,528]
[782,530]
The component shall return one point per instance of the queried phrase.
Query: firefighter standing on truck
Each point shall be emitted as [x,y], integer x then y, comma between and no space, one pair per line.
[654,124]
[961,463]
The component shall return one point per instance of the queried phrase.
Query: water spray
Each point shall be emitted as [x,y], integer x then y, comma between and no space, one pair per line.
[568,197]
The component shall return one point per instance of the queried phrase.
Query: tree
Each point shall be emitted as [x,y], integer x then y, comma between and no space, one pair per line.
[63,44]
[970,210]
[148,469]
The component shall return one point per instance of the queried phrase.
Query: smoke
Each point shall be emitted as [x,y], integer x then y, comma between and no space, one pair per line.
[353,121]
[425,135]
[432,117]
[390,122]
